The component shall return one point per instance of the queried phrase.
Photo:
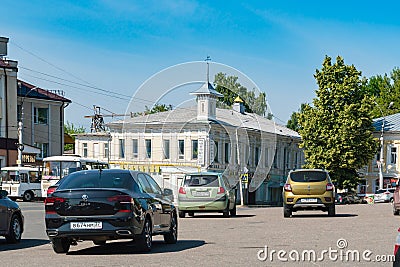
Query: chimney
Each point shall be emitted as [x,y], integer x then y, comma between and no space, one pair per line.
[238,105]
[3,46]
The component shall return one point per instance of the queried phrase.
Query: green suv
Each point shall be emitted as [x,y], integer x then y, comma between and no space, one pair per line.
[308,189]
[206,192]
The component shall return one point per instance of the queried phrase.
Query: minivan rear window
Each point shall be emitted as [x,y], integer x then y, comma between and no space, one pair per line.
[308,176]
[201,180]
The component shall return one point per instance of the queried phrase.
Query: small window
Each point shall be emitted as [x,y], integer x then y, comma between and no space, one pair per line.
[106,150]
[121,148]
[181,149]
[166,149]
[135,149]
[216,151]
[85,150]
[148,148]
[227,152]
[41,115]
[393,155]
[195,149]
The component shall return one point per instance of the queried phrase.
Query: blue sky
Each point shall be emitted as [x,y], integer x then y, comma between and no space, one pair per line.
[100,52]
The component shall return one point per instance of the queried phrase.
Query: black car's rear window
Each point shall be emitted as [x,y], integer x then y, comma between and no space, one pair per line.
[99,179]
[308,176]
[201,180]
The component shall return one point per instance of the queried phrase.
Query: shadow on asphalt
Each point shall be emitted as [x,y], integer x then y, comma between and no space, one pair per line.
[130,247]
[25,243]
[341,215]
[218,216]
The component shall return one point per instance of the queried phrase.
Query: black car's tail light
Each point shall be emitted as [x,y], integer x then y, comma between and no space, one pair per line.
[123,203]
[49,203]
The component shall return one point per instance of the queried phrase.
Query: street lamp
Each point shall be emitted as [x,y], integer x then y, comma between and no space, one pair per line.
[381,159]
[21,127]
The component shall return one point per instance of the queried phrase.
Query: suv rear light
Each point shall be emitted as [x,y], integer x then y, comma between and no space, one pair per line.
[221,190]
[182,190]
[329,187]
[288,188]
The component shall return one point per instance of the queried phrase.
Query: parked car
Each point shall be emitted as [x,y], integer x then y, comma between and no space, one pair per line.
[109,204]
[384,195]
[348,198]
[11,219]
[396,200]
[396,262]
[308,189]
[206,192]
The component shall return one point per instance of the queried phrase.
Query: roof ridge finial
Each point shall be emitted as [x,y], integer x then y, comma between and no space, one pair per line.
[208,59]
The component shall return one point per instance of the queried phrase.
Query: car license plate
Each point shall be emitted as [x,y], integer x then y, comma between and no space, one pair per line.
[201,193]
[309,200]
[86,225]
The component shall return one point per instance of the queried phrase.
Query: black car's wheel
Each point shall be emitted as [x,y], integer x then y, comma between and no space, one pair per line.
[60,245]
[172,236]
[28,196]
[145,239]
[181,214]
[225,212]
[191,214]
[15,230]
[233,210]
[331,210]
[287,212]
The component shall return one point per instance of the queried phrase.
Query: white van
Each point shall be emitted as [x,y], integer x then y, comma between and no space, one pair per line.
[21,182]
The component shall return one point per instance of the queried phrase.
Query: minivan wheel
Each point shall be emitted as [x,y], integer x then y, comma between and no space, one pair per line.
[331,210]
[287,212]
[60,245]
[28,196]
[15,230]
[181,214]
[145,239]
[395,211]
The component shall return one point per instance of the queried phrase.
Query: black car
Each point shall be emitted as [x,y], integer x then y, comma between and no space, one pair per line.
[11,219]
[102,205]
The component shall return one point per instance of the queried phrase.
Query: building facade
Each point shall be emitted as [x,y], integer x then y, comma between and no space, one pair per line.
[387,128]
[27,113]
[170,144]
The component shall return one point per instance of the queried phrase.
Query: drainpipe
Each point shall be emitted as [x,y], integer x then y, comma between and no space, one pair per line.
[63,106]
[6,101]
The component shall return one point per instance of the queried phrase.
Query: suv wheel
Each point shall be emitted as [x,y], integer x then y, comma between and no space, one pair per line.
[331,210]
[225,212]
[287,212]
[60,245]
[233,210]
[28,196]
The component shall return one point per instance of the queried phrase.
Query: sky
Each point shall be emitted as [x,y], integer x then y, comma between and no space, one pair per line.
[105,52]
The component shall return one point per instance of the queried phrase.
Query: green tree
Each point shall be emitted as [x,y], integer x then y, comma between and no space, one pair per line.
[231,88]
[337,130]
[70,129]
[157,108]
[385,89]
[293,122]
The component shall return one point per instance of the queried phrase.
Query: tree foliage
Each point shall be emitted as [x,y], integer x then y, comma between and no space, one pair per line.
[293,122]
[70,129]
[231,88]
[337,130]
[385,89]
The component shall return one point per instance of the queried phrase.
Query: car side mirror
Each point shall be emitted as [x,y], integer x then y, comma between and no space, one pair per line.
[168,192]
[3,193]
